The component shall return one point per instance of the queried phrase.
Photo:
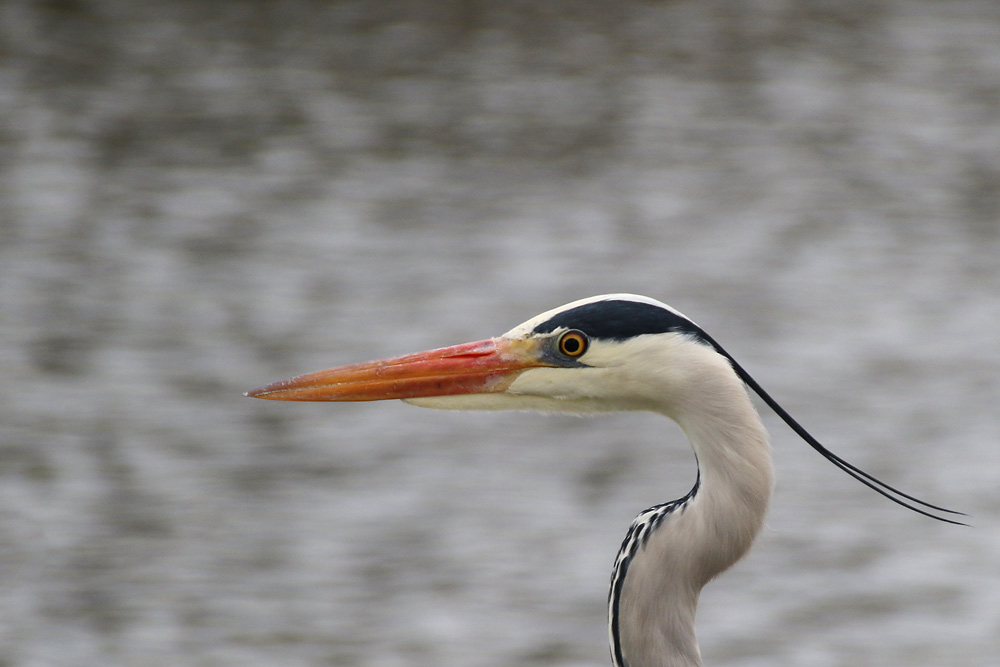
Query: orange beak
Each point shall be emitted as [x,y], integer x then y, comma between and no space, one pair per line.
[482,367]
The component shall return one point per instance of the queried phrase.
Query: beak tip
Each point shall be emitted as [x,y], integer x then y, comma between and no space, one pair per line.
[283,390]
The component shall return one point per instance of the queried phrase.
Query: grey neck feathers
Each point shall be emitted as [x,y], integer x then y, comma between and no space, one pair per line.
[674,549]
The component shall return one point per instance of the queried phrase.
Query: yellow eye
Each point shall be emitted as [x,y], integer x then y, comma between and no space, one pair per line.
[573,343]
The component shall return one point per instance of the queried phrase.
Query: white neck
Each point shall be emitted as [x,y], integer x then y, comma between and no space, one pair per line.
[710,533]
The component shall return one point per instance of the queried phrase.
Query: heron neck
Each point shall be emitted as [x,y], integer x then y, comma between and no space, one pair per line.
[711,405]
[736,481]
[704,536]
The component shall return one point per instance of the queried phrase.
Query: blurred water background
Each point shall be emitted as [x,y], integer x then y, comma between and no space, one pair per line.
[197,198]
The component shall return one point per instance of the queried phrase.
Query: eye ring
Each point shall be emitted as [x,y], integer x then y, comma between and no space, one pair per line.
[573,343]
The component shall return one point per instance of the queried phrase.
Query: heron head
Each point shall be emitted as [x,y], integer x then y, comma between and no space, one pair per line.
[609,352]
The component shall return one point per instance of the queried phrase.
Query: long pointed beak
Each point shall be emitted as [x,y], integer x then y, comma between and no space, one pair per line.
[482,367]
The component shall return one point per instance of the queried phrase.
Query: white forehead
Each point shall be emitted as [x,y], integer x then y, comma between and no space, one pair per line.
[525,328]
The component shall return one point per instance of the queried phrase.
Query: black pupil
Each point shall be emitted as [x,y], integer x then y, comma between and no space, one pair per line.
[572,345]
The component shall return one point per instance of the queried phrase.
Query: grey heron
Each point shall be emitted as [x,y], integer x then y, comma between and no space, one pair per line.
[620,352]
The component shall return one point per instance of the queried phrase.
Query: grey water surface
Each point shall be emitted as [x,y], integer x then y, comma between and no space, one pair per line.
[199,198]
